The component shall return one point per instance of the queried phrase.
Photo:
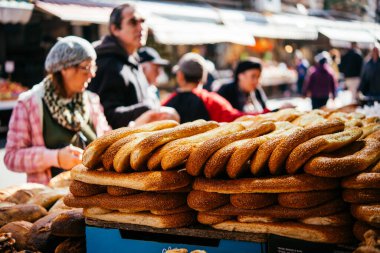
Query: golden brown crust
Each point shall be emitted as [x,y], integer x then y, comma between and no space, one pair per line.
[137,202]
[121,161]
[181,209]
[260,159]
[339,219]
[361,227]
[370,129]
[296,230]
[208,219]
[180,153]
[109,155]
[289,114]
[69,224]
[110,152]
[282,151]
[81,189]
[309,119]
[171,149]
[92,154]
[20,231]
[375,168]
[253,200]
[367,213]
[344,162]
[148,219]
[374,135]
[26,212]
[216,165]
[204,201]
[306,199]
[120,191]
[362,181]
[330,142]
[256,218]
[280,212]
[288,183]
[361,196]
[144,181]
[200,155]
[144,149]
[238,161]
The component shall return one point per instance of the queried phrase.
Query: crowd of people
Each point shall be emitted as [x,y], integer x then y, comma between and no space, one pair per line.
[360,77]
[89,91]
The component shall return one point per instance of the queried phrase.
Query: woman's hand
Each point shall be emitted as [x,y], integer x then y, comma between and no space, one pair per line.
[69,156]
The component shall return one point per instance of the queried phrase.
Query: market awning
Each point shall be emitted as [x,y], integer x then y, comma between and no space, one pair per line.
[76,12]
[181,23]
[341,37]
[275,26]
[173,32]
[14,12]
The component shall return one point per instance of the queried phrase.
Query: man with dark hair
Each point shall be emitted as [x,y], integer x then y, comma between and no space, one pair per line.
[370,80]
[191,101]
[351,66]
[152,64]
[244,92]
[119,81]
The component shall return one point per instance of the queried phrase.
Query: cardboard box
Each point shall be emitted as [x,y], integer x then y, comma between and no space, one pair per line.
[115,240]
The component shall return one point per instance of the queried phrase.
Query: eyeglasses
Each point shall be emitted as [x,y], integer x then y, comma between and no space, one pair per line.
[89,68]
[135,21]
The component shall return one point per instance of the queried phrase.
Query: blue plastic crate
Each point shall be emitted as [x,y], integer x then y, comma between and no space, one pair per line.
[115,240]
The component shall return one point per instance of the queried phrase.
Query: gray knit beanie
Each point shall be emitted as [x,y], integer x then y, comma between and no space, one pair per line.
[67,52]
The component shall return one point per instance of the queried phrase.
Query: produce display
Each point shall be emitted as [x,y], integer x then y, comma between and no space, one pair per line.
[10,90]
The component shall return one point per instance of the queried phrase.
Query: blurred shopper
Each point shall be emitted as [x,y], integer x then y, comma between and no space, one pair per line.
[56,114]
[190,100]
[351,67]
[370,79]
[244,93]
[152,64]
[301,67]
[321,81]
[120,81]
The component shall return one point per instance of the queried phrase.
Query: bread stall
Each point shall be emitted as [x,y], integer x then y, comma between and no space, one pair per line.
[287,181]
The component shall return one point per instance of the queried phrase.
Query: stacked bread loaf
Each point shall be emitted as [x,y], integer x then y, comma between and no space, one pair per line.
[114,183]
[275,173]
[25,221]
[362,191]
[310,202]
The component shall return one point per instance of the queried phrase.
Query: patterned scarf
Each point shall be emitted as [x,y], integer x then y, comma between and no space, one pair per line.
[68,112]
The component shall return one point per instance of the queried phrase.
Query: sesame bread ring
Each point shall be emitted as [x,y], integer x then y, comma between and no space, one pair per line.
[286,146]
[362,181]
[306,199]
[144,149]
[288,183]
[354,158]
[361,196]
[93,153]
[253,200]
[200,155]
[367,213]
[204,201]
[329,142]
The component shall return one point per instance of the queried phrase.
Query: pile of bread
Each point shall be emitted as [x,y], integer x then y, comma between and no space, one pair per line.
[276,173]
[34,218]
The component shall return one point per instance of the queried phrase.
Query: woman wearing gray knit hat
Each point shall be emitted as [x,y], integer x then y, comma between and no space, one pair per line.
[52,122]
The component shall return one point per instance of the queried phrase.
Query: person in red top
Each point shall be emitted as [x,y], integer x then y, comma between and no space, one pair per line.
[191,101]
